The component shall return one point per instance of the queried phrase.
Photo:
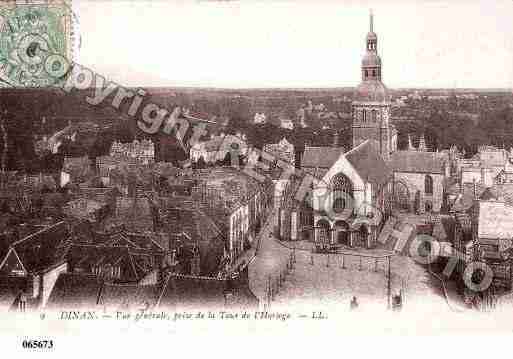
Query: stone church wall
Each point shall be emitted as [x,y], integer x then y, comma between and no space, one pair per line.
[415,182]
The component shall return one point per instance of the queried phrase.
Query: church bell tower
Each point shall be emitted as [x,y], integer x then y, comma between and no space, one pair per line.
[371,103]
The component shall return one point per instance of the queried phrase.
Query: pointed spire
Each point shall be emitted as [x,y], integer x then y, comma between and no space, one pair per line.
[371,15]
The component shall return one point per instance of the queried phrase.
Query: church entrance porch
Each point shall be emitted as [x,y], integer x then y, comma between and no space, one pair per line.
[338,234]
[341,233]
[361,236]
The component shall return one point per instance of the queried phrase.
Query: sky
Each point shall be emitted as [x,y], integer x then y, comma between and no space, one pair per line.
[246,44]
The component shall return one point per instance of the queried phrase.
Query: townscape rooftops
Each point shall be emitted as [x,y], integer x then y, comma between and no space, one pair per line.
[143,241]
[89,256]
[193,222]
[418,162]
[234,186]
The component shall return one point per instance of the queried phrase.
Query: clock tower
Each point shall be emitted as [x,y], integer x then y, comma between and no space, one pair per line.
[371,102]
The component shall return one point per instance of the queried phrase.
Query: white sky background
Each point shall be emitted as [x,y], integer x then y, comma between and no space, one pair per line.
[297,43]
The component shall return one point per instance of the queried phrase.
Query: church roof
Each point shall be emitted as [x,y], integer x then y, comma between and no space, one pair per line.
[367,161]
[417,162]
[371,90]
[321,157]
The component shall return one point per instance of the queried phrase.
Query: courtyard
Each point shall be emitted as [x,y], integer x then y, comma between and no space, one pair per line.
[327,280]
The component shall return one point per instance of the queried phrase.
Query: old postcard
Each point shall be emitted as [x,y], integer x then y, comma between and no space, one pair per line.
[175,169]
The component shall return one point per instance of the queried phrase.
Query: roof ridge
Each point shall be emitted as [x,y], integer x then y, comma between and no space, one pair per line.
[357,147]
[19,241]
[190,276]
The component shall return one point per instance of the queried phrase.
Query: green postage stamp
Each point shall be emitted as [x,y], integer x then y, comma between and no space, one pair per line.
[36,42]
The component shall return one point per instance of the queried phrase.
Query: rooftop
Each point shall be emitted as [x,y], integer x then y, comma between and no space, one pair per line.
[371,91]
[369,164]
[320,157]
[418,162]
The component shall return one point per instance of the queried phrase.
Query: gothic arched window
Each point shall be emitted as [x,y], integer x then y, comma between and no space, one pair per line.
[341,183]
[428,185]
[339,204]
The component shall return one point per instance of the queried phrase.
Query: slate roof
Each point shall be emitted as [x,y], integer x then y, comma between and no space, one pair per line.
[89,256]
[418,162]
[193,222]
[82,232]
[182,291]
[42,249]
[369,164]
[321,157]
[75,291]
[136,241]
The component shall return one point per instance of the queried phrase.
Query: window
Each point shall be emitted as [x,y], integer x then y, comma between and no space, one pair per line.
[339,204]
[428,185]
[364,116]
[374,73]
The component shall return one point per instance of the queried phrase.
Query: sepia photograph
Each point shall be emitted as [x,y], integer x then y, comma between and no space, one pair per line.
[241,168]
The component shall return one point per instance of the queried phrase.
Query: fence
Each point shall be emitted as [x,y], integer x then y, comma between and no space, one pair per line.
[341,260]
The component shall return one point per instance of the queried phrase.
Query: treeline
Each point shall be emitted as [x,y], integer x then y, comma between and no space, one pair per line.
[443,129]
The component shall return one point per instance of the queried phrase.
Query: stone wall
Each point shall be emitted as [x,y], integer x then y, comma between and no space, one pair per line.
[415,182]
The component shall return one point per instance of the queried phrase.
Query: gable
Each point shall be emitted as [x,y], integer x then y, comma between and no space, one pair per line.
[12,264]
[342,165]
